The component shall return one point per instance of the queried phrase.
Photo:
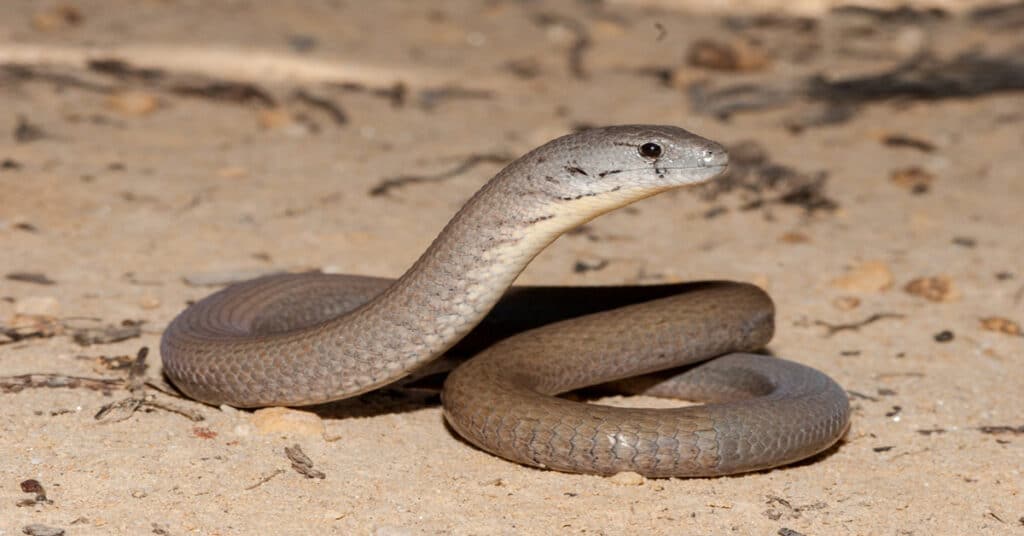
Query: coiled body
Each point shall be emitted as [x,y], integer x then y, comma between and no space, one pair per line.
[310,338]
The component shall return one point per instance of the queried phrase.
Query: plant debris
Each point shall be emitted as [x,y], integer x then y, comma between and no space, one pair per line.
[591,265]
[430,98]
[129,329]
[999,17]
[855,326]
[525,68]
[761,182]
[797,39]
[41,326]
[898,15]
[25,73]
[224,90]
[123,70]
[138,398]
[860,395]
[384,187]
[265,479]
[301,463]
[184,85]
[780,507]
[965,241]
[114,362]
[396,93]
[662,32]
[928,78]
[333,110]
[25,132]
[1002,430]
[899,141]
[37,278]
[923,77]
[38,529]
[581,41]
[20,382]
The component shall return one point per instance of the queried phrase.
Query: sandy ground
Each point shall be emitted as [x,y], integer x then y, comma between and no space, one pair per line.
[118,184]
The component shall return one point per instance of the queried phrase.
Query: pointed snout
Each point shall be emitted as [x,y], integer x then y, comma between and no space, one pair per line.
[711,154]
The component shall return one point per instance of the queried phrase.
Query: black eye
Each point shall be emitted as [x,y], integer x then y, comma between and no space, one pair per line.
[650,150]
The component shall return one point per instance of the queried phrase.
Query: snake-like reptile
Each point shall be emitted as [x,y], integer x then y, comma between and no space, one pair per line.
[301,339]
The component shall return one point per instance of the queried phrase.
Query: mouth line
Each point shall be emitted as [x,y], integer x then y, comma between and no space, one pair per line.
[658,169]
[716,169]
[716,166]
[712,171]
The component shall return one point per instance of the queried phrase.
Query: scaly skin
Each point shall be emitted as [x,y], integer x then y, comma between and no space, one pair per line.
[311,338]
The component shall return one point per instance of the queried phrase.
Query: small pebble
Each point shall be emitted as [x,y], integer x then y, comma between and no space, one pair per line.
[944,336]
[846,303]
[56,18]
[936,289]
[272,118]
[149,302]
[288,421]
[914,179]
[721,56]
[31,486]
[1000,324]
[870,276]
[136,103]
[794,238]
